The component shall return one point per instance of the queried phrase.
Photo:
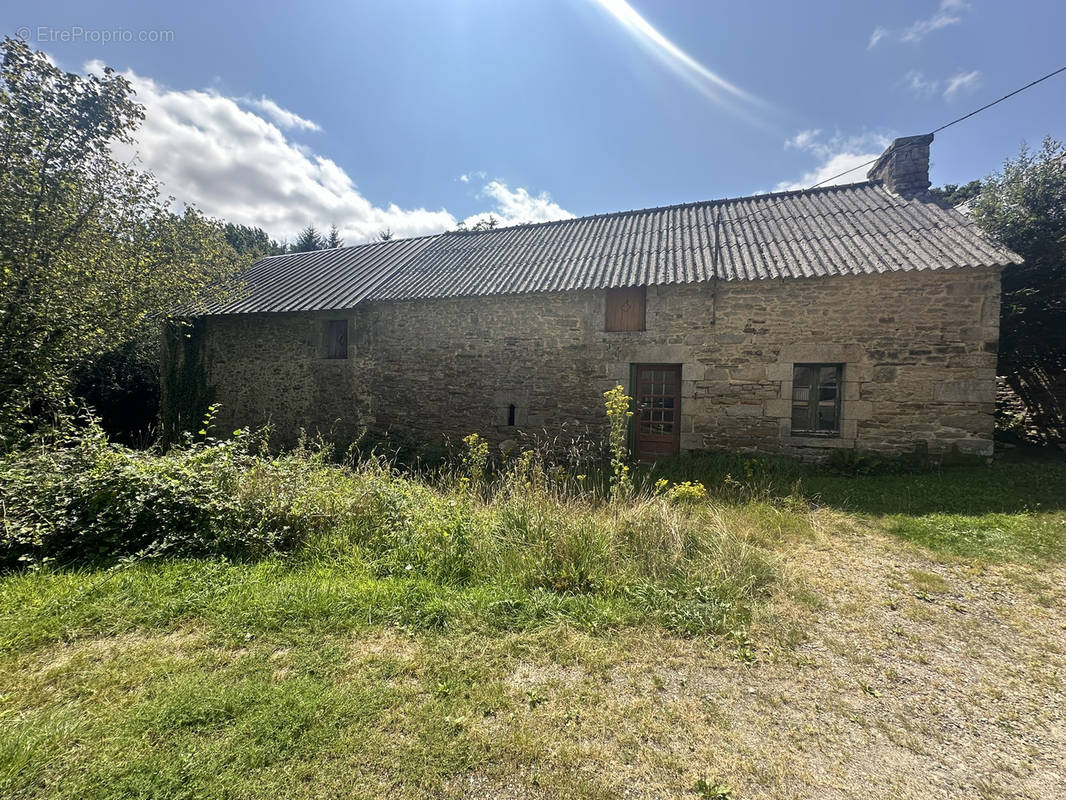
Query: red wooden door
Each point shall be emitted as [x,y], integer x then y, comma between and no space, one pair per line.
[658,398]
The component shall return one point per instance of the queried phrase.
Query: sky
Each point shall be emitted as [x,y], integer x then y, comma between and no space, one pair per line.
[414,115]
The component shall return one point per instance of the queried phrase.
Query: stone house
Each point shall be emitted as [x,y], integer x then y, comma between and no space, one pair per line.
[855,316]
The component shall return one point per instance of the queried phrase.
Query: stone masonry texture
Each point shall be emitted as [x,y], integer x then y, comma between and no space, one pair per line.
[918,349]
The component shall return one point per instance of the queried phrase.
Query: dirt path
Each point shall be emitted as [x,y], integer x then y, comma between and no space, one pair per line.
[915,678]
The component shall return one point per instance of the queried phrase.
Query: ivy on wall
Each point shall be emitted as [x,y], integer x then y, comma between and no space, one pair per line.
[185,394]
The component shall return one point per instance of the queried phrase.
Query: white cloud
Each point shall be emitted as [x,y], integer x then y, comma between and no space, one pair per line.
[233,163]
[963,81]
[282,116]
[804,140]
[466,177]
[948,13]
[920,85]
[516,206]
[836,154]
[878,34]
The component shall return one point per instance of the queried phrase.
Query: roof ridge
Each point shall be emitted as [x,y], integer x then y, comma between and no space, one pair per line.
[354,246]
[690,204]
[602,215]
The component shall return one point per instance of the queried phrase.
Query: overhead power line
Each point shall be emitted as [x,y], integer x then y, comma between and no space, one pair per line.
[763,209]
[956,121]
[1000,100]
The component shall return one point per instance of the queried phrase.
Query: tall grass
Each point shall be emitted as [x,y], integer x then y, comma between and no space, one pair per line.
[526,534]
[346,545]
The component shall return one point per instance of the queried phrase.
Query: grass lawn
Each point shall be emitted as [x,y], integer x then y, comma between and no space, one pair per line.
[893,636]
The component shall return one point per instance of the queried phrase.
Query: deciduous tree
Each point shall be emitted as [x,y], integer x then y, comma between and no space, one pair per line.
[90,255]
[1024,207]
[254,242]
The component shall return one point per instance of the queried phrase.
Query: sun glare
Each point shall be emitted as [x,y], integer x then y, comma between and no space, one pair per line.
[711,85]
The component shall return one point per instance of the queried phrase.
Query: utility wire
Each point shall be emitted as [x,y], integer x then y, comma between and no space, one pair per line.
[956,121]
[1000,100]
[763,209]
[953,122]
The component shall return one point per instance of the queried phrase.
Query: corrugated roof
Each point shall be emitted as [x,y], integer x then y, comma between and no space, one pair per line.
[320,280]
[855,229]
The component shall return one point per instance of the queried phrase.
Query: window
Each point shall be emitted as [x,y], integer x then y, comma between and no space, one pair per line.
[625,309]
[337,338]
[816,399]
[510,415]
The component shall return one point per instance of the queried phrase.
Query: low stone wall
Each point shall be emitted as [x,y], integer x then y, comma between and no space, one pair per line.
[918,349]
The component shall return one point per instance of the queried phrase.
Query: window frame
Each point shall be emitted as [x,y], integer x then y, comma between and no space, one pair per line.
[814,400]
[618,292]
[337,354]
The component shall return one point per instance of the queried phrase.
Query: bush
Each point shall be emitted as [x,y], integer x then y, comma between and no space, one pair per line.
[75,497]
[683,493]
[535,538]
[617,403]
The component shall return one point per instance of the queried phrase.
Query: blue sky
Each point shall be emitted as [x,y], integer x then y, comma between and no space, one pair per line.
[413,114]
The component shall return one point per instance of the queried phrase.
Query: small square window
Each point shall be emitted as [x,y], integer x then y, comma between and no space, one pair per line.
[816,390]
[337,338]
[625,309]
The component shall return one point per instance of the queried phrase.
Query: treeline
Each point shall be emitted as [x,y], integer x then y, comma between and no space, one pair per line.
[256,242]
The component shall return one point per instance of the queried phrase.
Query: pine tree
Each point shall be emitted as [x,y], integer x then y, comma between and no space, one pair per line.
[334,239]
[308,240]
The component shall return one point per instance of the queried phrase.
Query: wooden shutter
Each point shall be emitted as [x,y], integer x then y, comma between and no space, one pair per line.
[625,309]
[337,338]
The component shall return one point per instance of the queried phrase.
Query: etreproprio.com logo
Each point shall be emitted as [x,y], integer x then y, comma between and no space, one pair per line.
[44,34]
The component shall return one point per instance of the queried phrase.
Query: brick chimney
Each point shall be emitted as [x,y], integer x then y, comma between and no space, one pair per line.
[904,166]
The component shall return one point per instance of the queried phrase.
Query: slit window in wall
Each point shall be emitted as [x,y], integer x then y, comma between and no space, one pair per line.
[625,309]
[510,415]
[337,338]
[816,390]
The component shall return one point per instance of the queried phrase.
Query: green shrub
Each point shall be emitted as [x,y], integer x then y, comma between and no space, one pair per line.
[618,403]
[75,497]
[475,459]
[533,543]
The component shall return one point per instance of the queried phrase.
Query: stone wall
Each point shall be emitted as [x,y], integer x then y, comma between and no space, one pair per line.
[918,348]
[271,368]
